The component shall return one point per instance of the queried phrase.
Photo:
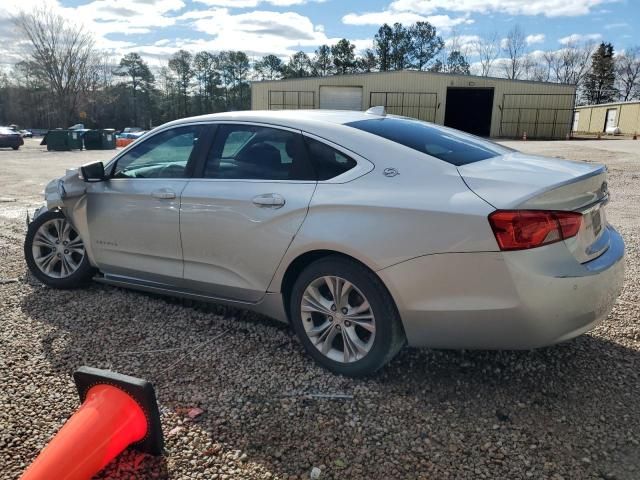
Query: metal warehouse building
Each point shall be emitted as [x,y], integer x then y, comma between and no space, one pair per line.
[484,106]
[597,118]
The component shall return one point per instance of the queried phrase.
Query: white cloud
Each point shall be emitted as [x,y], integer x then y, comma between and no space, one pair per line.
[255,32]
[579,37]
[254,3]
[549,8]
[441,22]
[100,17]
[537,38]
[616,26]
[128,17]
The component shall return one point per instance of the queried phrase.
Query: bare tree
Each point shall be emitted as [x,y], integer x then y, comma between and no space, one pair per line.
[571,63]
[536,68]
[63,53]
[514,46]
[488,49]
[628,70]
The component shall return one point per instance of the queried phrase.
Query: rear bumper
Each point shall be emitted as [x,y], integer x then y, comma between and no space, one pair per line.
[505,300]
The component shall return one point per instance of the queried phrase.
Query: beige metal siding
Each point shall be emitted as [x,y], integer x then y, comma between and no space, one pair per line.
[629,118]
[592,118]
[432,105]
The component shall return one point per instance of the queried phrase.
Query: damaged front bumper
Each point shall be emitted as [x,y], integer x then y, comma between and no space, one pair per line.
[59,191]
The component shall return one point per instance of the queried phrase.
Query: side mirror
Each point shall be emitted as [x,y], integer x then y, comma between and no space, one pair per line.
[93,172]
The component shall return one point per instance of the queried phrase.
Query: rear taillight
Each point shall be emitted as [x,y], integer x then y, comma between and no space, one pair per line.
[522,229]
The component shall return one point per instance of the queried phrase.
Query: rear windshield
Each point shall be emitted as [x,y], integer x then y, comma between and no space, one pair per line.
[446,144]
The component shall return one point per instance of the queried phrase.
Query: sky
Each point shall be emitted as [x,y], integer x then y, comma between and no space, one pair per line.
[157,28]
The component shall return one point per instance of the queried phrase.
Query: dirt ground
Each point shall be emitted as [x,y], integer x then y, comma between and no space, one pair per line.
[565,412]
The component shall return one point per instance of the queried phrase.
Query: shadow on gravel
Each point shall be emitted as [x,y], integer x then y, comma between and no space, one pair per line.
[570,410]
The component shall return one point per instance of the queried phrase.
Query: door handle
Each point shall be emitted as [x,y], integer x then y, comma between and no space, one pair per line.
[163,193]
[269,200]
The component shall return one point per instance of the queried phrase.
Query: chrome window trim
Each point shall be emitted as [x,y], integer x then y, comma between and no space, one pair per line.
[363,166]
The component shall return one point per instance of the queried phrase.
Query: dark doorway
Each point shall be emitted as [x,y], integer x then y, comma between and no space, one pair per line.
[469,110]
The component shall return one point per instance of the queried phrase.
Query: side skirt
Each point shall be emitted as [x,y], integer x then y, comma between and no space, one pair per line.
[271,305]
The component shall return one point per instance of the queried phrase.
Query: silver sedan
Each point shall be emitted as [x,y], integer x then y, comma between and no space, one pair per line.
[364,231]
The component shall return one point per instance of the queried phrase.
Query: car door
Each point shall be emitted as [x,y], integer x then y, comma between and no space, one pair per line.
[134,217]
[239,217]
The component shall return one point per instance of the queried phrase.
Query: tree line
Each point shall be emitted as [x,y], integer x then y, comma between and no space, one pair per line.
[64,79]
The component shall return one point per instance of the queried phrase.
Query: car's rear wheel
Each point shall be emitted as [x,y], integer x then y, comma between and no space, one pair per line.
[345,317]
[55,253]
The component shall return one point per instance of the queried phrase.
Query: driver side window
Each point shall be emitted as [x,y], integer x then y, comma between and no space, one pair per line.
[164,155]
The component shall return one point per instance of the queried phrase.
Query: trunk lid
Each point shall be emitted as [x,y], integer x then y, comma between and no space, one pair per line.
[527,182]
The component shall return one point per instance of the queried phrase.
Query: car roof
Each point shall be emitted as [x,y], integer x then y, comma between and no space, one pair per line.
[287,118]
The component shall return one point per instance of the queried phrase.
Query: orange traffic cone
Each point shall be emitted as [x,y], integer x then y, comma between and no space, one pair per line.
[117,411]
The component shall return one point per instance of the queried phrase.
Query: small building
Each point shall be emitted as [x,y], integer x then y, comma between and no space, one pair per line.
[485,106]
[624,116]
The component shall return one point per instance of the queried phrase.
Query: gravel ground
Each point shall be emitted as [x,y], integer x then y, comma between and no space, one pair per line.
[569,411]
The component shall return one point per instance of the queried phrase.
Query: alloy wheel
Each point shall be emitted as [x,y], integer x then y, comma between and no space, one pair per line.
[57,248]
[338,319]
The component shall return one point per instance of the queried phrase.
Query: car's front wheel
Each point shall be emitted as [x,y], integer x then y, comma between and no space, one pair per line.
[55,253]
[345,317]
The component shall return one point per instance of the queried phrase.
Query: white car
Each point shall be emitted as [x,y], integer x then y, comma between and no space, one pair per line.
[365,231]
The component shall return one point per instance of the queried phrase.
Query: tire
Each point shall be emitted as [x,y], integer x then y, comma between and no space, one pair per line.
[15,148]
[311,305]
[66,269]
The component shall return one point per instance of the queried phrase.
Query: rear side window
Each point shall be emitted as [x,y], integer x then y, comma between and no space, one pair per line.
[251,152]
[446,144]
[327,161]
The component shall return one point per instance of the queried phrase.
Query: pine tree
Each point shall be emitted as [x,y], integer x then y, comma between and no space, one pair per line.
[269,68]
[382,47]
[456,63]
[400,47]
[425,44]
[343,56]
[139,79]
[299,66]
[599,85]
[180,63]
[322,61]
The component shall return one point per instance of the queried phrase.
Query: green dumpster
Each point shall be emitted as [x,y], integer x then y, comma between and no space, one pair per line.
[104,139]
[63,140]
[75,139]
[58,140]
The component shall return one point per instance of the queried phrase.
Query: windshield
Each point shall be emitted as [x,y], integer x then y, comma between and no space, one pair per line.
[451,146]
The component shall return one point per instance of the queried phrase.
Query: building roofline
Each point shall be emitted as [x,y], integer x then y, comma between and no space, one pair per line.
[416,72]
[610,104]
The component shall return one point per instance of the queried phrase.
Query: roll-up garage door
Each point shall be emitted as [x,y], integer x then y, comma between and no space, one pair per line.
[341,98]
